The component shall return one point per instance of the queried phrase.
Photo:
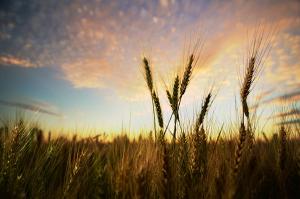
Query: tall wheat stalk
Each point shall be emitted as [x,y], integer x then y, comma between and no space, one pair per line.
[166,169]
[149,81]
[204,110]
[282,147]
[199,153]
[184,175]
[156,108]
[239,148]
[182,87]
[259,48]
[173,101]
[199,160]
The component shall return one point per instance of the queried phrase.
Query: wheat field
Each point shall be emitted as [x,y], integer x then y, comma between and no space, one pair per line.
[170,162]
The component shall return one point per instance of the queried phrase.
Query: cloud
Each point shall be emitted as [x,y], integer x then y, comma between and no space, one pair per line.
[8,60]
[166,3]
[91,73]
[284,69]
[294,121]
[290,97]
[293,112]
[265,94]
[31,107]
[285,98]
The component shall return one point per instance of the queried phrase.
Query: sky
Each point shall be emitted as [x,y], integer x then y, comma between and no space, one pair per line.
[76,64]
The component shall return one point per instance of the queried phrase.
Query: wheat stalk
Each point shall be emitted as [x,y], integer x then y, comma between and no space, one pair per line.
[186,76]
[149,81]
[199,161]
[158,110]
[259,48]
[166,169]
[203,112]
[183,167]
[183,86]
[148,74]
[246,86]
[282,149]
[239,149]
[175,97]
[298,161]
[173,101]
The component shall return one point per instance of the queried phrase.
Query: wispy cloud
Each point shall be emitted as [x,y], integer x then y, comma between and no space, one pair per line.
[283,99]
[265,94]
[286,98]
[294,121]
[8,60]
[31,107]
[293,112]
[290,98]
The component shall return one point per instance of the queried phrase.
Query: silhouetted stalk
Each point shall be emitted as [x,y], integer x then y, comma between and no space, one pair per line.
[149,81]
[183,86]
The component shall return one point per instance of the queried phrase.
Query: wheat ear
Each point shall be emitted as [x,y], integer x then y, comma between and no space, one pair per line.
[158,110]
[203,112]
[186,76]
[149,81]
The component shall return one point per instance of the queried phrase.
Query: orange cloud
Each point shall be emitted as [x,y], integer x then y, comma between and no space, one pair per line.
[11,60]
[284,69]
[91,73]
